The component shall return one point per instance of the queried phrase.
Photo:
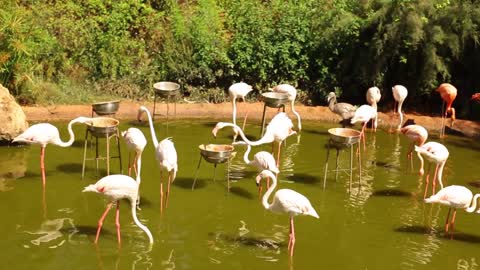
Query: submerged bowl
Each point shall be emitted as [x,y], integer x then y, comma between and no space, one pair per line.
[216,153]
[275,99]
[102,126]
[344,135]
[166,88]
[106,108]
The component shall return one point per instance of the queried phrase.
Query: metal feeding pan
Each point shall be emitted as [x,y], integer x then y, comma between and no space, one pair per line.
[216,153]
[274,99]
[101,126]
[345,136]
[165,89]
[106,108]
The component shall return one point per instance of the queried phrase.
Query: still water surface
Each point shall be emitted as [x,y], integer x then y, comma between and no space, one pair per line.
[381,224]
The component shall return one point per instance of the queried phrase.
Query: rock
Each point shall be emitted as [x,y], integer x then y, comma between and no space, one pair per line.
[12,118]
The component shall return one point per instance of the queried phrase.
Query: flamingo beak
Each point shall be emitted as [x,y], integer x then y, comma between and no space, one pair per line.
[214,132]
[258,179]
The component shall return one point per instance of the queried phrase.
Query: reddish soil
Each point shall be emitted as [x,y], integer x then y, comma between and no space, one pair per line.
[222,112]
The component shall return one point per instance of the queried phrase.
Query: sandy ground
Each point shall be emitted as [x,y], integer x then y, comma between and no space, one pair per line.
[222,112]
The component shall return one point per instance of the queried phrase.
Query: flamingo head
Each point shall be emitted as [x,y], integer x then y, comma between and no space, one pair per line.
[263,174]
[83,119]
[330,96]
[217,127]
[124,133]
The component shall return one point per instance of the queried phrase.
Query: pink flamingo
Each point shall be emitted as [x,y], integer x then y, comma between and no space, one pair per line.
[475,97]
[238,90]
[448,93]
[116,187]
[166,156]
[136,142]
[418,136]
[45,133]
[292,95]
[400,93]
[455,197]
[279,128]
[437,153]
[364,114]
[373,97]
[286,201]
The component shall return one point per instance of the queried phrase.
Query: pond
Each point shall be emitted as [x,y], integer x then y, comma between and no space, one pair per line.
[382,223]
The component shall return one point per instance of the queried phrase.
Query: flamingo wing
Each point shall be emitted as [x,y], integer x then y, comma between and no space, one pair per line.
[264,160]
[166,154]
[293,203]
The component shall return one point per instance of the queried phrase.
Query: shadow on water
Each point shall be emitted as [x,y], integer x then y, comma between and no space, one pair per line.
[79,143]
[414,229]
[249,241]
[89,230]
[475,183]
[387,165]
[186,183]
[238,191]
[456,236]
[69,167]
[145,203]
[316,132]
[304,178]
[392,193]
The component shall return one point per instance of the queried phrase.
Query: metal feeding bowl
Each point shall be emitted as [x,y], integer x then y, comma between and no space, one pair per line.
[106,108]
[166,88]
[344,135]
[274,99]
[101,126]
[216,153]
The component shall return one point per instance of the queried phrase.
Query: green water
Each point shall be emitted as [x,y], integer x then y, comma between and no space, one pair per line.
[381,224]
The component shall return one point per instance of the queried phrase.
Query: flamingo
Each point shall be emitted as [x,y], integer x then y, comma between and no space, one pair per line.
[286,201]
[400,93]
[165,154]
[345,110]
[364,114]
[455,197]
[261,161]
[434,152]
[45,133]
[279,128]
[238,90]
[116,187]
[448,93]
[476,97]
[135,141]
[418,136]
[292,94]
[373,97]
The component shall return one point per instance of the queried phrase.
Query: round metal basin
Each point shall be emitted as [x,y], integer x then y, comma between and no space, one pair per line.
[103,126]
[274,99]
[166,89]
[106,108]
[345,136]
[216,153]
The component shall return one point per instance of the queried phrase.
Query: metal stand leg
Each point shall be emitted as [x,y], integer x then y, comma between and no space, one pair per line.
[359,165]
[154,102]
[263,119]
[85,152]
[96,156]
[326,167]
[108,154]
[214,171]
[119,151]
[228,175]
[336,165]
[351,167]
[196,172]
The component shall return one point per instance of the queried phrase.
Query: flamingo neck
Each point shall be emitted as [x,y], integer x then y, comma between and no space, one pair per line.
[137,222]
[245,156]
[297,114]
[421,162]
[440,172]
[331,103]
[139,168]
[474,204]
[70,132]
[234,113]
[263,140]
[152,130]
[269,191]
[399,110]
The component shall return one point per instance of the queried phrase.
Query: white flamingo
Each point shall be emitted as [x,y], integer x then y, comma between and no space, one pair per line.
[136,142]
[364,114]
[400,93]
[418,136]
[235,91]
[286,201]
[165,154]
[455,197]
[292,95]
[279,128]
[437,153]
[373,97]
[116,187]
[45,133]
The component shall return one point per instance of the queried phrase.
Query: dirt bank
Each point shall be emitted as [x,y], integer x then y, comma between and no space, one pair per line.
[128,110]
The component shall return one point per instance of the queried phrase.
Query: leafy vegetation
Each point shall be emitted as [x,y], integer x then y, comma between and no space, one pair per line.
[69,51]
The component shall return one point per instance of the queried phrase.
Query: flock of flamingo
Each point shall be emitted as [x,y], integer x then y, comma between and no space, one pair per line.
[285,201]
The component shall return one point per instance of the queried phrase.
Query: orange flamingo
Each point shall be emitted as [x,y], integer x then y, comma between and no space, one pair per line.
[448,93]
[476,97]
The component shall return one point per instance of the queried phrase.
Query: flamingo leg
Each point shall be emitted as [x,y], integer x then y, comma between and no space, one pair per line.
[117,222]
[447,223]
[100,221]
[168,189]
[278,154]
[135,164]
[453,219]
[427,180]
[362,135]
[129,164]
[434,183]
[291,242]
[42,165]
